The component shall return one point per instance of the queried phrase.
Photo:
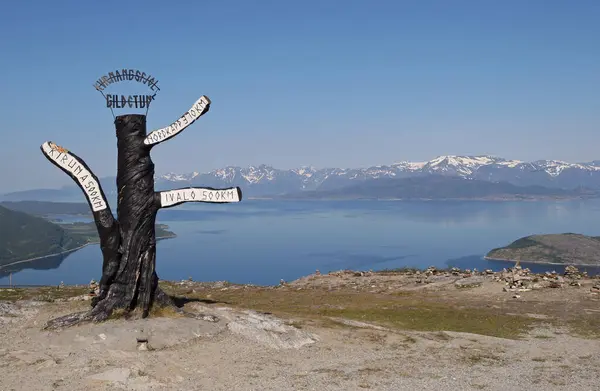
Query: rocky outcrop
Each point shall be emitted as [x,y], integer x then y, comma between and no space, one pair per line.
[566,249]
[266,329]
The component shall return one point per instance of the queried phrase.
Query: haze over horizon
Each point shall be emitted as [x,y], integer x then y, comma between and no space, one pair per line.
[335,84]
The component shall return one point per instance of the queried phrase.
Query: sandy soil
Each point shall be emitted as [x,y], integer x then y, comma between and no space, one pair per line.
[247,350]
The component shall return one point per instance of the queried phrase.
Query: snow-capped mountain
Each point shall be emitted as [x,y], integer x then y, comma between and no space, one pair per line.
[263,180]
[267,180]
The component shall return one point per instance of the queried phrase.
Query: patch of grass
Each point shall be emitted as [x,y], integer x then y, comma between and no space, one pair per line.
[376,337]
[441,336]
[118,314]
[329,371]
[165,312]
[156,312]
[49,293]
[483,359]
[403,293]
[369,370]
[585,326]
[406,311]
[557,382]
[538,359]
[298,324]
[427,316]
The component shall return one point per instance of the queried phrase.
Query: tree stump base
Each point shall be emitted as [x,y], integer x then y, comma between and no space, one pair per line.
[104,309]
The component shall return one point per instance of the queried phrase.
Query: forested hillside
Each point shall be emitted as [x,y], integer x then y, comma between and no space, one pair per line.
[23,236]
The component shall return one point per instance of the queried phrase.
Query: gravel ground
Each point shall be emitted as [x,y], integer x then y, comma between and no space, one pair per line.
[252,351]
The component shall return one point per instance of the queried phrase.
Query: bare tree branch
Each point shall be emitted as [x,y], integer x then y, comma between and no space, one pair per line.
[200,107]
[108,227]
[171,198]
[76,168]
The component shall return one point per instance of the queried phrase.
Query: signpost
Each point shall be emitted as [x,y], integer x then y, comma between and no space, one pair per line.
[128,242]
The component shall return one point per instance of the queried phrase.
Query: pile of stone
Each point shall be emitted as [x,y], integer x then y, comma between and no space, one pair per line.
[518,279]
[574,276]
[595,289]
[470,281]
[431,271]
[94,291]
[94,288]
[429,275]
[348,273]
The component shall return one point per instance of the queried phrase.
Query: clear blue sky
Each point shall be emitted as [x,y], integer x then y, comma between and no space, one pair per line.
[326,83]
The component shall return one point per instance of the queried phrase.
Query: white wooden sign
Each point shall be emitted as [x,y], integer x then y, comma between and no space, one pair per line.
[160,135]
[67,162]
[199,194]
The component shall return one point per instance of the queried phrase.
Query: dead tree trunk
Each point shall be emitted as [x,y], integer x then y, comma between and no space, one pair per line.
[128,243]
[134,279]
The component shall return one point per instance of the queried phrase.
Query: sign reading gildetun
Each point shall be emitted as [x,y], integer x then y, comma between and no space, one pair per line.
[121,101]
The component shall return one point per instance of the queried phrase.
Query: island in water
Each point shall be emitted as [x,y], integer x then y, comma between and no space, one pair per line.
[561,249]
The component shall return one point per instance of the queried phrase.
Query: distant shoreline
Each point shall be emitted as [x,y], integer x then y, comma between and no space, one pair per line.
[490,199]
[293,198]
[540,263]
[66,252]
[46,256]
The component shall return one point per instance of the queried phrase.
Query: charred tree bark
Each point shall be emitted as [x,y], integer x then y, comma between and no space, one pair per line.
[133,280]
[110,240]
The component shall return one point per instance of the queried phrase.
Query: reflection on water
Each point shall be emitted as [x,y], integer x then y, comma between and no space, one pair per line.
[264,241]
[47,263]
[211,231]
[344,260]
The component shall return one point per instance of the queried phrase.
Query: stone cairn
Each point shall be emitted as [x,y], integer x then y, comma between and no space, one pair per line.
[516,279]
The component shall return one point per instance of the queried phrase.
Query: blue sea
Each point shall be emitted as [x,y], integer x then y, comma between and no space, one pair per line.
[264,241]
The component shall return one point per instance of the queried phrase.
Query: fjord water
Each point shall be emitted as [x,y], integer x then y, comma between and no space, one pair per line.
[263,241]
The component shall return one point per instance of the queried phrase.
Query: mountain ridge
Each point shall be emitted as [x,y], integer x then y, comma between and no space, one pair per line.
[266,180]
[439,187]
